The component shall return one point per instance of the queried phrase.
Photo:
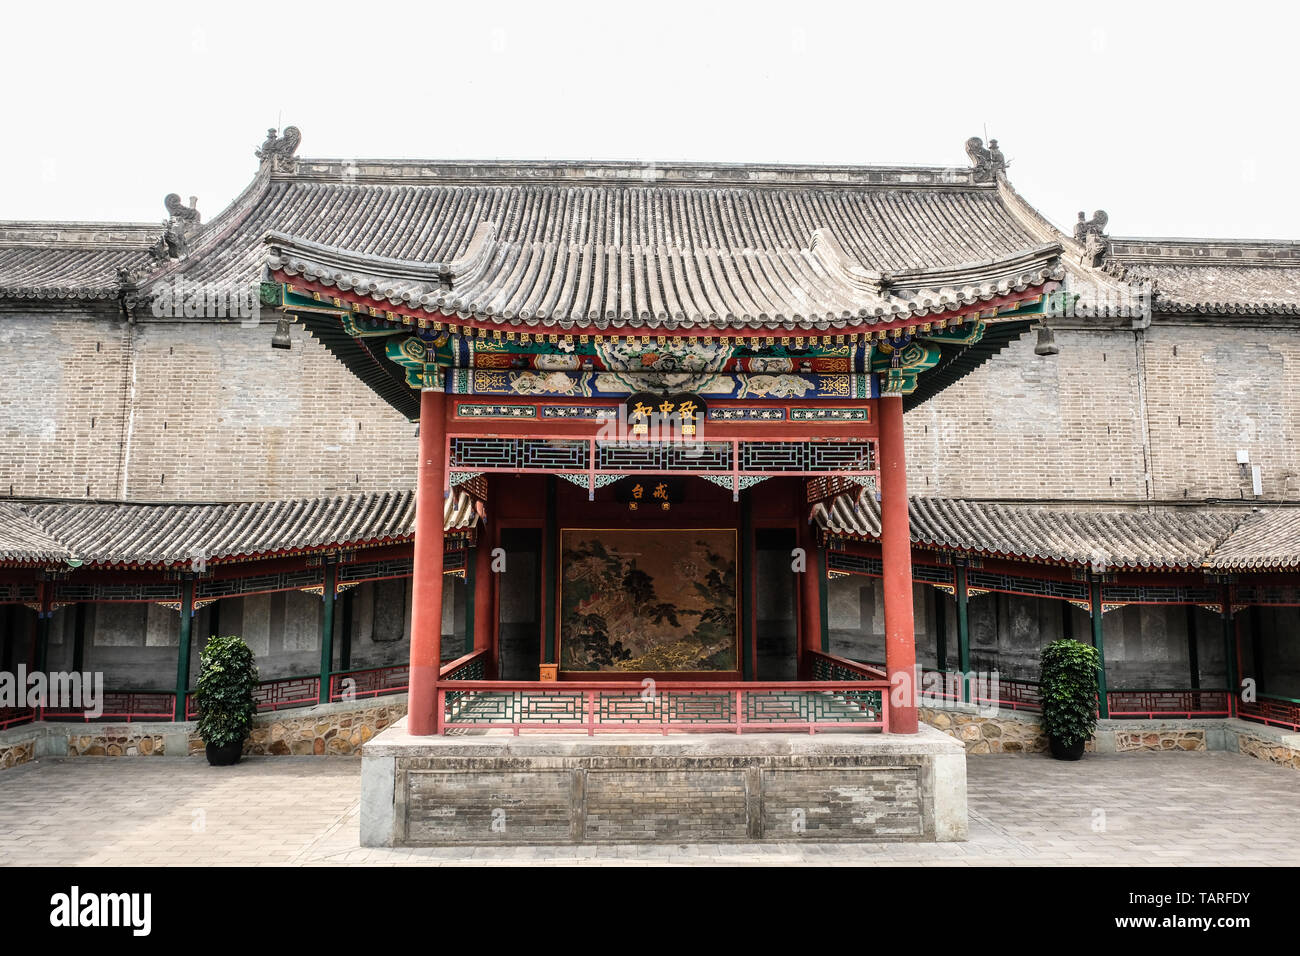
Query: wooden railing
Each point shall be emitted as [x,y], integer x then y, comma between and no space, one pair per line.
[123,705]
[661,707]
[1176,702]
[371,682]
[831,667]
[15,716]
[275,694]
[1272,710]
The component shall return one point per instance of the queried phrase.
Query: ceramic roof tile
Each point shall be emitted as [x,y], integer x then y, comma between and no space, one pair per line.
[1119,539]
[178,533]
[1268,539]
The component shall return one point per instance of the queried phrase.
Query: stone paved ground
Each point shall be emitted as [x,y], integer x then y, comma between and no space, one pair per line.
[1197,808]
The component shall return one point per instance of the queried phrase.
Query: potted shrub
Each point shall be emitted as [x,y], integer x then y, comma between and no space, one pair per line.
[227,677]
[1068,687]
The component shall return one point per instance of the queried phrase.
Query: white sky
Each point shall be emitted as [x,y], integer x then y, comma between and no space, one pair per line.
[1178,119]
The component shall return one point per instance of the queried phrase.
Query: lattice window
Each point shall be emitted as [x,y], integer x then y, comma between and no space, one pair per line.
[17,593]
[1149,595]
[1037,587]
[849,456]
[854,563]
[515,453]
[160,591]
[931,574]
[375,570]
[1266,594]
[634,457]
[232,587]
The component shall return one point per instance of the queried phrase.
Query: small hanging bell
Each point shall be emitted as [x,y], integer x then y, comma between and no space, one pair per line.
[1046,342]
[281,340]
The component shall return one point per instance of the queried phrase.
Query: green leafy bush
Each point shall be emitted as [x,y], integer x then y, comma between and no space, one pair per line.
[1068,685]
[227,677]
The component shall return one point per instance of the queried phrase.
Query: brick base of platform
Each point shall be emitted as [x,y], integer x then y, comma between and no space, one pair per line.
[545,789]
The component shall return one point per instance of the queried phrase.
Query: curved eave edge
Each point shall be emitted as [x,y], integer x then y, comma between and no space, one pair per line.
[330,300]
[1022,557]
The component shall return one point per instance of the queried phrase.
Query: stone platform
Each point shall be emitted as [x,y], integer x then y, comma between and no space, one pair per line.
[493,788]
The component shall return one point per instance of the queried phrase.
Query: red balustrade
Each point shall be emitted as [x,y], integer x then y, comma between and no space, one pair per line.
[273,694]
[372,682]
[14,716]
[127,706]
[662,707]
[1168,703]
[1274,711]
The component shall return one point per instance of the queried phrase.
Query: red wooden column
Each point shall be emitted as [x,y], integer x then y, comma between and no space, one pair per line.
[810,600]
[896,548]
[426,599]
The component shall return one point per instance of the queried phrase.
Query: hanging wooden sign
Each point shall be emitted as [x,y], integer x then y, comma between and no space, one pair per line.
[656,417]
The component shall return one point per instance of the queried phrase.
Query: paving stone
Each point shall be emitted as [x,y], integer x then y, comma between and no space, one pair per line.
[1160,808]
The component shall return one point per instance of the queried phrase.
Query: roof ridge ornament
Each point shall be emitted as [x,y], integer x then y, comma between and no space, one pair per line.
[181,224]
[279,150]
[989,163]
[1091,234]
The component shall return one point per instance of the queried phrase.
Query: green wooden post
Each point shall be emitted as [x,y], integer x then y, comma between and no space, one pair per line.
[1230,652]
[42,636]
[327,630]
[963,631]
[940,630]
[1103,706]
[183,651]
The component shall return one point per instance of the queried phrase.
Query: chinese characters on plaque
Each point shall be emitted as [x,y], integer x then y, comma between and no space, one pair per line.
[651,491]
[677,417]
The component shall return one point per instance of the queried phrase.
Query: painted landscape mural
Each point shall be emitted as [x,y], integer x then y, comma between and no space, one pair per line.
[648,600]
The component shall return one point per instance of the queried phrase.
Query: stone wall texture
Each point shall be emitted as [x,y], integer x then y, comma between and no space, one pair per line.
[1272,750]
[12,754]
[123,740]
[167,409]
[1012,732]
[333,733]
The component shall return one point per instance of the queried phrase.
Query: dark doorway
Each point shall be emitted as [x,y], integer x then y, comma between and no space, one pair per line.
[519,628]
[776,621]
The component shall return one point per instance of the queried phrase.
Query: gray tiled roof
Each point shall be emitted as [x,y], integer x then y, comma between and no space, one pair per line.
[79,260]
[1266,539]
[634,242]
[1117,539]
[166,534]
[23,540]
[601,238]
[1209,276]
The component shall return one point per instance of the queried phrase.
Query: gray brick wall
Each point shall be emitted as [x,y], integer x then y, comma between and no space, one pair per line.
[169,410]
[183,411]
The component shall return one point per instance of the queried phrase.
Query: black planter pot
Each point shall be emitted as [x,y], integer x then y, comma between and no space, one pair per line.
[226,755]
[1061,752]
